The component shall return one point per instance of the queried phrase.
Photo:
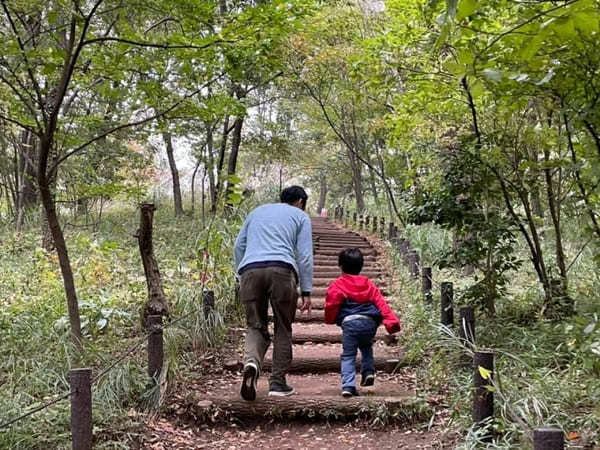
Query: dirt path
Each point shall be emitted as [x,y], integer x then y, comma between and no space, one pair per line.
[208,411]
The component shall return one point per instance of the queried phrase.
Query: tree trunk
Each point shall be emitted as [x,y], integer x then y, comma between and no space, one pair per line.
[193,184]
[373,185]
[561,304]
[174,174]
[322,193]
[59,242]
[157,302]
[27,193]
[210,167]
[220,164]
[236,140]
[535,196]
[356,181]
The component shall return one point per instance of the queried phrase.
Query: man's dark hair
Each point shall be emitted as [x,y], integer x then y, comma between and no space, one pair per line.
[292,194]
[351,261]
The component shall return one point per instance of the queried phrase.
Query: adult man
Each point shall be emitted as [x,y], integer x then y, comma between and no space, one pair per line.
[272,251]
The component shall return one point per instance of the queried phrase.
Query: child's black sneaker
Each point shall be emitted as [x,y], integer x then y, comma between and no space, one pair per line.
[280,390]
[348,392]
[249,380]
[368,379]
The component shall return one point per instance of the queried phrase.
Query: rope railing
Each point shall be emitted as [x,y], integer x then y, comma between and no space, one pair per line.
[119,359]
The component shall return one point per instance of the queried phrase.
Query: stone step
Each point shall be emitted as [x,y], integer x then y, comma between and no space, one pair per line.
[323,358]
[317,315]
[317,396]
[318,281]
[322,333]
[320,259]
[335,273]
[326,252]
[339,247]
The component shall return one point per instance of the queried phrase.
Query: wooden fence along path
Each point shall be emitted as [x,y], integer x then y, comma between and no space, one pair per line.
[315,371]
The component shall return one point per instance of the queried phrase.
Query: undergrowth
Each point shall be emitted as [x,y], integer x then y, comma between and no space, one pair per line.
[547,374]
[112,291]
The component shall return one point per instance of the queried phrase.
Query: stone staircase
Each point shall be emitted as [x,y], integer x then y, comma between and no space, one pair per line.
[315,371]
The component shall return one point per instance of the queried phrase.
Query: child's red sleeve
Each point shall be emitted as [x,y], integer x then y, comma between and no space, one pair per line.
[333,302]
[390,321]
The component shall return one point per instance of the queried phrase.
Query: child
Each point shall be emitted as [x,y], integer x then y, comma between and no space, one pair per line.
[354,303]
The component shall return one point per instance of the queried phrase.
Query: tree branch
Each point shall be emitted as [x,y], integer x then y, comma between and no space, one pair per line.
[156,45]
[131,124]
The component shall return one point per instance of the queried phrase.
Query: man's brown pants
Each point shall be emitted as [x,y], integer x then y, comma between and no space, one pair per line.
[257,287]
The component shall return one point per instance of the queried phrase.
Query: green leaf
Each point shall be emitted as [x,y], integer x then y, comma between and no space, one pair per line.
[485,373]
[586,22]
[465,56]
[531,47]
[466,8]
[564,28]
[455,68]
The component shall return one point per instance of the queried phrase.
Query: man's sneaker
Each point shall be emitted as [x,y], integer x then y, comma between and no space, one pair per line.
[368,379]
[249,380]
[280,390]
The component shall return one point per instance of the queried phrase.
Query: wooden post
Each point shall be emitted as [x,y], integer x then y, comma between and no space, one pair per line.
[403,247]
[361,222]
[347,218]
[209,301]
[391,229]
[413,263]
[548,439]
[354,222]
[81,409]
[447,316]
[157,301]
[426,284]
[367,222]
[375,224]
[155,346]
[483,397]
[382,226]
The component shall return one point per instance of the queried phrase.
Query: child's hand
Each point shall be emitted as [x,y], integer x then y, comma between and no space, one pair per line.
[393,328]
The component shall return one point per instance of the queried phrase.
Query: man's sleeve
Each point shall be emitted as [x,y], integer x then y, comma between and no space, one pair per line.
[305,256]
[240,244]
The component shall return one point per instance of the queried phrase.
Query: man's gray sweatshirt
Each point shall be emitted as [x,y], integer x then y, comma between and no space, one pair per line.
[277,232]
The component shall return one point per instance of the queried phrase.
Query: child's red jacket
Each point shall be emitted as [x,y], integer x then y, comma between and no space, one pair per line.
[359,289]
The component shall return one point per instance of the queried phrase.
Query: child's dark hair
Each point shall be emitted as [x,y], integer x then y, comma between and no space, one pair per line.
[351,261]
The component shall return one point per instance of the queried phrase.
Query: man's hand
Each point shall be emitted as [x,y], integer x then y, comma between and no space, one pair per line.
[306,305]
